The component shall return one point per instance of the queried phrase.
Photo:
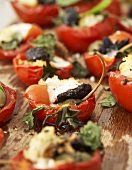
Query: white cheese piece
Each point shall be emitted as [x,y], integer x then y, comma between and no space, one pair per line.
[8,33]
[30,3]
[44,163]
[127,22]
[90,20]
[57,86]
[39,143]
[126,67]
[59,62]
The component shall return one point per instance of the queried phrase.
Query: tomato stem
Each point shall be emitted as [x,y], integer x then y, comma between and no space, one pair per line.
[101,78]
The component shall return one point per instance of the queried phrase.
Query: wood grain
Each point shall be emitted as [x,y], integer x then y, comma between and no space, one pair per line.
[116,124]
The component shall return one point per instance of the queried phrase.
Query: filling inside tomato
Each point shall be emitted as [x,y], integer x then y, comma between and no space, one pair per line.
[12,36]
[46,150]
[2,97]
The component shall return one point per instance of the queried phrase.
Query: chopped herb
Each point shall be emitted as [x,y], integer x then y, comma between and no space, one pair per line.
[79,71]
[90,134]
[29,117]
[47,41]
[67,2]
[108,101]
[124,82]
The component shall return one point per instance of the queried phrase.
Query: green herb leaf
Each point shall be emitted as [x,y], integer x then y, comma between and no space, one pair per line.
[47,41]
[98,8]
[48,71]
[108,101]
[2,97]
[90,134]
[29,117]
[67,2]
[79,71]
[13,44]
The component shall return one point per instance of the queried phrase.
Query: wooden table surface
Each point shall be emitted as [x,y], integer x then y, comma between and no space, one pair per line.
[116,124]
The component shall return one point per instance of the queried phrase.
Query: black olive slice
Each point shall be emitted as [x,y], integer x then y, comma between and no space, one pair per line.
[50,2]
[71,16]
[38,53]
[77,93]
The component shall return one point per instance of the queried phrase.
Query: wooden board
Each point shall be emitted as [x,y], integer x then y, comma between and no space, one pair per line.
[116,123]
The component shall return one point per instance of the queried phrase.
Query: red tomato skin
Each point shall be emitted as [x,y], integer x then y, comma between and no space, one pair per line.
[1,137]
[94,64]
[122,93]
[78,39]
[32,74]
[42,15]
[7,110]
[124,28]
[93,164]
[114,7]
[32,34]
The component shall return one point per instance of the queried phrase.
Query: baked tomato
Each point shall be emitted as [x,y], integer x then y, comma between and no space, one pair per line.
[93,164]
[15,39]
[57,98]
[77,39]
[8,101]
[1,137]
[41,14]
[109,49]
[72,147]
[30,73]
[120,90]
[82,6]
[120,83]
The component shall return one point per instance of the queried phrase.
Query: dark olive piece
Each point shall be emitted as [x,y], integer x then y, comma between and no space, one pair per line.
[38,53]
[50,2]
[71,16]
[108,46]
[77,93]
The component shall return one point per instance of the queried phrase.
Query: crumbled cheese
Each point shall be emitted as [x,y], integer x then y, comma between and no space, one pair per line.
[127,22]
[7,34]
[57,62]
[57,86]
[39,143]
[126,67]
[30,3]
[90,20]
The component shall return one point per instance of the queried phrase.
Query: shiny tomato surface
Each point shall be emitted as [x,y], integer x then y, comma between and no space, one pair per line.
[31,74]
[121,92]
[93,164]
[78,39]
[10,54]
[7,110]
[42,15]
[1,137]
[34,95]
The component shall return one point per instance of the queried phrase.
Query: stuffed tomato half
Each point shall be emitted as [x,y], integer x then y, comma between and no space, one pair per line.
[60,102]
[120,83]
[78,31]
[71,151]
[7,103]
[44,58]
[109,48]
[36,11]
[15,39]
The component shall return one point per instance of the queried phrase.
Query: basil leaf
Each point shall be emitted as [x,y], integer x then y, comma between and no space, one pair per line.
[90,134]
[98,8]
[67,2]
[108,101]
[78,70]
[29,117]
[2,97]
[47,41]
